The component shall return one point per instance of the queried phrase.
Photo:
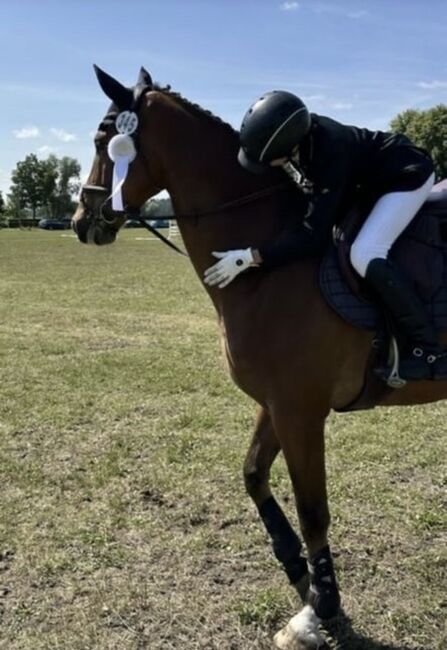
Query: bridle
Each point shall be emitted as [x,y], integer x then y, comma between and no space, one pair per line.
[135,214]
[100,216]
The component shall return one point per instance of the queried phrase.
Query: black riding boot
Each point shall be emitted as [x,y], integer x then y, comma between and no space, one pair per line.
[421,355]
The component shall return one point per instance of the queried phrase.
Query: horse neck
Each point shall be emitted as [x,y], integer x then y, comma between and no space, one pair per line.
[202,173]
[200,161]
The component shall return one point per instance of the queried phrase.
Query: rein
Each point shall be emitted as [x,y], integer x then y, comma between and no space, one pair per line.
[235,203]
[161,237]
[230,205]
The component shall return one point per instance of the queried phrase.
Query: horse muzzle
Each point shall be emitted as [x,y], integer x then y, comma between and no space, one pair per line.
[93,222]
[93,233]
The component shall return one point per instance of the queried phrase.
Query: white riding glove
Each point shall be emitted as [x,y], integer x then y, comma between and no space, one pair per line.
[230,265]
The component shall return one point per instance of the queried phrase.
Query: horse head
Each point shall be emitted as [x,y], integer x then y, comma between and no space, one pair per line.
[122,177]
[153,139]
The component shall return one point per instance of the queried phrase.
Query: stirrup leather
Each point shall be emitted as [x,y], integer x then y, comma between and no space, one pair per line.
[394,380]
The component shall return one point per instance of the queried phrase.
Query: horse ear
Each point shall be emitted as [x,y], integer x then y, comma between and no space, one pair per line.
[144,78]
[119,94]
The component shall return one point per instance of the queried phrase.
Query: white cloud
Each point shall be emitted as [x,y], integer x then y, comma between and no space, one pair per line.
[313,98]
[432,85]
[338,10]
[45,149]
[342,106]
[27,132]
[357,14]
[290,6]
[63,135]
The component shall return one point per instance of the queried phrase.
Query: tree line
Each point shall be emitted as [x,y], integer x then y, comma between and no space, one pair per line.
[427,129]
[50,187]
[42,188]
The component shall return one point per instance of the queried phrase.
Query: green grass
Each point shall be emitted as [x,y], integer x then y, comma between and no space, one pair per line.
[124,523]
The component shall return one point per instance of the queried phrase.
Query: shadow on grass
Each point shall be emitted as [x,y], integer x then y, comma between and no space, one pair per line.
[341,631]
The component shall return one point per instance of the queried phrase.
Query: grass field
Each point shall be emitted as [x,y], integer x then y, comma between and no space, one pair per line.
[123,518]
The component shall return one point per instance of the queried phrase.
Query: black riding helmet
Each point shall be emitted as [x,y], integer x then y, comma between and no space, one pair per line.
[271,128]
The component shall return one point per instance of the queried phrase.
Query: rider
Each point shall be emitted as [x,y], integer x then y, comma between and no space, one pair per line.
[331,161]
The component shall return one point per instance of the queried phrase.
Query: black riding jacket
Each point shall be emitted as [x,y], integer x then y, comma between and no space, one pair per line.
[341,163]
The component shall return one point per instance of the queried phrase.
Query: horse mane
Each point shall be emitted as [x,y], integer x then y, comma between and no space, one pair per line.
[196,109]
[292,202]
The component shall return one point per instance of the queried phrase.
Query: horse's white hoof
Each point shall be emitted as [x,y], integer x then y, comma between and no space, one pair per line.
[285,639]
[301,633]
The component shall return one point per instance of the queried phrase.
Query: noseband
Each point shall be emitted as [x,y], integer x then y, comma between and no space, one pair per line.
[89,212]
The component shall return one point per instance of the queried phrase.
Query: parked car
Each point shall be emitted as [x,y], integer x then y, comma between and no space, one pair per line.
[155,223]
[159,223]
[53,224]
[132,223]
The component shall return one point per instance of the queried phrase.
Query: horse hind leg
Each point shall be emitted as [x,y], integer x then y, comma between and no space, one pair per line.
[287,546]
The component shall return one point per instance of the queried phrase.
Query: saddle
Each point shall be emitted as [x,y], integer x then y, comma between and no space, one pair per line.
[421,252]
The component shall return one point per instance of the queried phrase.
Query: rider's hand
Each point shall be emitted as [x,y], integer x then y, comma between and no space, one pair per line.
[230,264]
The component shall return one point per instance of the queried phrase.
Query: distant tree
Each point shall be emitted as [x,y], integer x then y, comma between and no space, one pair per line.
[68,171]
[157,208]
[427,129]
[49,168]
[32,182]
[2,210]
[13,208]
[49,184]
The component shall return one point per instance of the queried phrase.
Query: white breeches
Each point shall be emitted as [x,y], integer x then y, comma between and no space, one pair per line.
[389,217]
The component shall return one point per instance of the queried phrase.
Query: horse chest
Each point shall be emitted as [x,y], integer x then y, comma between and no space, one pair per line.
[245,359]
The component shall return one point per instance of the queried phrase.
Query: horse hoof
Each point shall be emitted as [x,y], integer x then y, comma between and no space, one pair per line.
[301,633]
[285,639]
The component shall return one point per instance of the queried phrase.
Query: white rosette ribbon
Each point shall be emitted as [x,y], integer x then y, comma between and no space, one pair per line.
[122,152]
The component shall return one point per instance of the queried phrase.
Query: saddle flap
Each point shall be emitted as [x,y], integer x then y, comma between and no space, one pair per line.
[418,250]
[421,262]
[421,252]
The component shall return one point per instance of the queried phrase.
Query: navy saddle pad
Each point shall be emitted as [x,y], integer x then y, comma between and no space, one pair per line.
[421,252]
[361,313]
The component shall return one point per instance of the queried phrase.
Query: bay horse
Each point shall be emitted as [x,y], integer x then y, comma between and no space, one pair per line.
[286,349]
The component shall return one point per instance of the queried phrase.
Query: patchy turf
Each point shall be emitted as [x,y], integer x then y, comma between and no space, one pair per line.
[124,523]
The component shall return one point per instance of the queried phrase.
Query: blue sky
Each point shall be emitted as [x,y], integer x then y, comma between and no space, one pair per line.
[359,61]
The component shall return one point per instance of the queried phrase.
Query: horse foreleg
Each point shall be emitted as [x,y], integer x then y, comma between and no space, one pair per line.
[302,442]
[286,545]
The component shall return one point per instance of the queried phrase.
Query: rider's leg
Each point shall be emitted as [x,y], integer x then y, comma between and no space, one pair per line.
[390,216]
